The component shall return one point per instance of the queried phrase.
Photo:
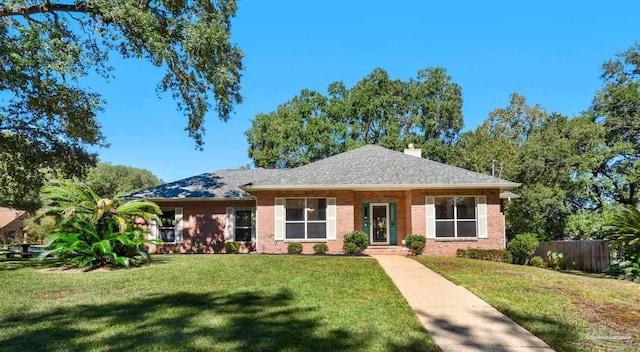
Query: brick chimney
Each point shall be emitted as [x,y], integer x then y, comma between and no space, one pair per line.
[413,151]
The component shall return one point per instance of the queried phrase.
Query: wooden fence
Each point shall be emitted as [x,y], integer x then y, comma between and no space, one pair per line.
[591,256]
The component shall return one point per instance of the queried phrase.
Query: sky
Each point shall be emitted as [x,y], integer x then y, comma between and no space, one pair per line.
[551,52]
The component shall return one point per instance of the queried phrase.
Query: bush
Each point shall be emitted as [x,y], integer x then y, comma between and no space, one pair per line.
[232,247]
[320,248]
[522,247]
[494,255]
[414,238]
[350,248]
[625,269]
[357,238]
[416,248]
[294,248]
[91,231]
[538,262]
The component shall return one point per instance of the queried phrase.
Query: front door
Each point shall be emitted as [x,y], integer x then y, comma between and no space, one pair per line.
[379,223]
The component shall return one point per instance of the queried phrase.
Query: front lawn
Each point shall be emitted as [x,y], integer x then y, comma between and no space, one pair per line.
[570,312]
[210,303]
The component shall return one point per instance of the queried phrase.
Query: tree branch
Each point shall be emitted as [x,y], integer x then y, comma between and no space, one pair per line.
[44,8]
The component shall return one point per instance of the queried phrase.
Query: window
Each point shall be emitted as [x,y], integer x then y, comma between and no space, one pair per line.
[455,217]
[240,226]
[169,230]
[305,218]
[243,225]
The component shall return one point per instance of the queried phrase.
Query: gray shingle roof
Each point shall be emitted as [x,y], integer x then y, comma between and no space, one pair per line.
[365,167]
[371,166]
[221,184]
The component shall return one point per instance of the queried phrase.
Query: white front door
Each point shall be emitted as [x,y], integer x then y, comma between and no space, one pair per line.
[379,223]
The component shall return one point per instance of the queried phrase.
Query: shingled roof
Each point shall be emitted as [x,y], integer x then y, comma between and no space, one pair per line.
[368,167]
[377,167]
[221,184]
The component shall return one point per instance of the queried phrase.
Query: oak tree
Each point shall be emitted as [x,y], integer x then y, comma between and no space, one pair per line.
[48,116]
[425,110]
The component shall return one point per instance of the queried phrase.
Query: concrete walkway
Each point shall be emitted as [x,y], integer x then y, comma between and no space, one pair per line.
[457,319]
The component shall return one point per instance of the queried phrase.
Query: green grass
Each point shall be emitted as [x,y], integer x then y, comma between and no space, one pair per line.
[570,312]
[209,303]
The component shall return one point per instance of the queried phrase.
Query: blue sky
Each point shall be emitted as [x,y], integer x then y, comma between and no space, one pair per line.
[549,51]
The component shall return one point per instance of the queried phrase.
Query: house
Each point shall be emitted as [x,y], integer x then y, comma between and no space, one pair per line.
[385,193]
[11,227]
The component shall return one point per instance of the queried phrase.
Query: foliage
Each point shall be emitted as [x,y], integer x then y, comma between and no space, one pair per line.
[232,247]
[350,248]
[494,255]
[545,209]
[587,224]
[294,248]
[320,248]
[414,238]
[616,107]
[359,239]
[500,138]
[416,248]
[425,110]
[109,181]
[39,227]
[626,269]
[48,116]
[93,231]
[555,259]
[538,262]
[543,151]
[565,310]
[623,230]
[522,247]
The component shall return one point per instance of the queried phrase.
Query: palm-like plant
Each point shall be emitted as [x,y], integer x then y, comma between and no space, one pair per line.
[93,231]
[623,230]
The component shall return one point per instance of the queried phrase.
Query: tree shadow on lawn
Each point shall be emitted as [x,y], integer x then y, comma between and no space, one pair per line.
[248,321]
[20,263]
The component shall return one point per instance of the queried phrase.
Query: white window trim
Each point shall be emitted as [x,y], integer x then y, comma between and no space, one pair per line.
[455,219]
[305,221]
[178,227]
[230,227]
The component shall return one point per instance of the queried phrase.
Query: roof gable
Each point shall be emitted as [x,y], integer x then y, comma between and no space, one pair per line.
[366,167]
[372,166]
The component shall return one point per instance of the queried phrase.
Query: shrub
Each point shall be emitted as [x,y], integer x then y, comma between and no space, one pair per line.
[522,247]
[359,239]
[625,269]
[554,259]
[350,248]
[320,248]
[494,255]
[91,231]
[414,238]
[232,247]
[294,248]
[416,248]
[623,231]
[538,262]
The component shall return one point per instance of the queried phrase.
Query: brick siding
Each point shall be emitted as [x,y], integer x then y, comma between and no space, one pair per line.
[203,227]
[411,218]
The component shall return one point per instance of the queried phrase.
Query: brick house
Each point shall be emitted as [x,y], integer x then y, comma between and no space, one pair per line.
[11,226]
[384,193]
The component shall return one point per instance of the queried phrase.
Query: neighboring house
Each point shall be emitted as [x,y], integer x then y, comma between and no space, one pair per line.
[11,225]
[386,194]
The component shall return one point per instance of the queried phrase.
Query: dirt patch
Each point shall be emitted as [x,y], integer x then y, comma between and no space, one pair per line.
[619,323]
[56,295]
[73,270]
